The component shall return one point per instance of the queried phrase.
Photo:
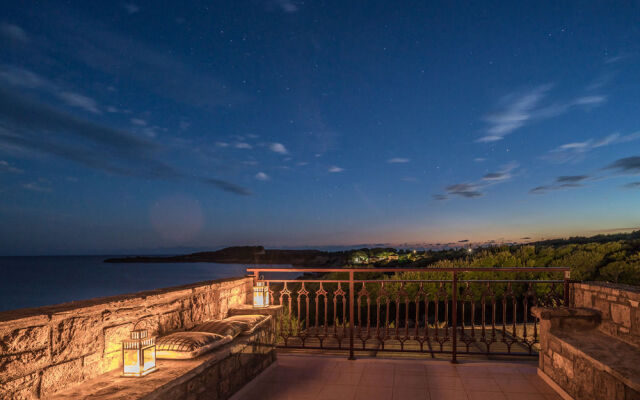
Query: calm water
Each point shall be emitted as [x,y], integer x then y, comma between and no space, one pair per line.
[38,281]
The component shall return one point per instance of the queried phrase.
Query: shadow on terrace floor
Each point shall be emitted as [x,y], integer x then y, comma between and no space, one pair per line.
[307,377]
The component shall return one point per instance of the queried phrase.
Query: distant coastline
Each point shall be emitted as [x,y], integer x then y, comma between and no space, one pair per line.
[248,255]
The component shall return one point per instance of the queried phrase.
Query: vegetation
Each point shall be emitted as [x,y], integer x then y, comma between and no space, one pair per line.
[612,258]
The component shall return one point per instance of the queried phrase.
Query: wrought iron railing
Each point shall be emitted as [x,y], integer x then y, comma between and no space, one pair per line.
[452,316]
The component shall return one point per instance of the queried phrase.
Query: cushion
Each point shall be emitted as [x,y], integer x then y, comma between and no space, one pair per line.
[250,322]
[222,327]
[184,345]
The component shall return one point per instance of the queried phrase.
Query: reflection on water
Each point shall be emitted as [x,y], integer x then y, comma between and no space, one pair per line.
[38,281]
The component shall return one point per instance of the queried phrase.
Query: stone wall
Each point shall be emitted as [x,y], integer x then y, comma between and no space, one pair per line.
[224,378]
[43,350]
[618,305]
[591,349]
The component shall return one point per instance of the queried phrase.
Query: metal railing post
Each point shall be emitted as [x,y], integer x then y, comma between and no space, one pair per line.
[351,315]
[567,276]
[454,317]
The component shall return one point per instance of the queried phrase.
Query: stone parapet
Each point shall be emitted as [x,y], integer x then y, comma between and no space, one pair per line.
[584,359]
[619,306]
[216,375]
[43,350]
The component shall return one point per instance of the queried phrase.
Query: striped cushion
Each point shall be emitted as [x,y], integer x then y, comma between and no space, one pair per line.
[250,322]
[183,345]
[222,327]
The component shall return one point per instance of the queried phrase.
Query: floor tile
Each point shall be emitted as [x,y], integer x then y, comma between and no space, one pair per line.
[540,385]
[444,382]
[374,393]
[525,396]
[410,380]
[480,384]
[404,393]
[442,370]
[337,392]
[448,394]
[478,395]
[515,385]
[376,379]
[313,377]
[347,378]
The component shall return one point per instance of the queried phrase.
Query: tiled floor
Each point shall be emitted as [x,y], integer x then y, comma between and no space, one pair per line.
[307,377]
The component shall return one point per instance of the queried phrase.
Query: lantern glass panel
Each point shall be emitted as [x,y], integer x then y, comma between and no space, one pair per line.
[260,296]
[149,358]
[131,361]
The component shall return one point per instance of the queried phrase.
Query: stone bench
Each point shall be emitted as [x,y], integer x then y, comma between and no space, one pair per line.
[214,375]
[582,360]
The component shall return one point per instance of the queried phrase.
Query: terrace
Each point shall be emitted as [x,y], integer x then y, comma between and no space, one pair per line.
[341,333]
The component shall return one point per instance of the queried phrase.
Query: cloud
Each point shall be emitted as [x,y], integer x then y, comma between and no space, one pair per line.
[6,167]
[479,159]
[571,178]
[398,160]
[561,182]
[616,59]
[335,169]
[540,189]
[80,101]
[36,187]
[227,186]
[23,78]
[261,176]
[632,185]
[278,148]
[589,100]
[138,122]
[243,145]
[495,176]
[516,111]
[474,189]
[467,190]
[519,109]
[576,151]
[287,6]
[630,165]
[157,70]
[503,174]
[32,127]
[131,8]
[14,32]
[222,144]
[439,197]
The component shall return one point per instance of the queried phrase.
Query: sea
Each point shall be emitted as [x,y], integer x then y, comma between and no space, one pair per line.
[47,280]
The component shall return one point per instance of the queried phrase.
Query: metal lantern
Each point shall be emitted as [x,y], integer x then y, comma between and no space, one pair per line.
[260,295]
[139,354]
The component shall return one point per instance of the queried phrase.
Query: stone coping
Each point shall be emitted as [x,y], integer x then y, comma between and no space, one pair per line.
[616,357]
[564,312]
[611,288]
[170,374]
[69,306]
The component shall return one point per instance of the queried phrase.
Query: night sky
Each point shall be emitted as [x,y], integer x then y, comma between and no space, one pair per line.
[128,127]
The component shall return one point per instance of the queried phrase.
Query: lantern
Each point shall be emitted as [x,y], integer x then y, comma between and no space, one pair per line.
[139,354]
[260,295]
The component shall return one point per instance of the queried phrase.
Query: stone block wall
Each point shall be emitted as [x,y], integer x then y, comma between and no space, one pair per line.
[224,378]
[43,350]
[618,305]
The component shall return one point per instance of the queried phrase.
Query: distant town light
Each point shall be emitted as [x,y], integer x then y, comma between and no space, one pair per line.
[139,354]
[260,295]
[470,250]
